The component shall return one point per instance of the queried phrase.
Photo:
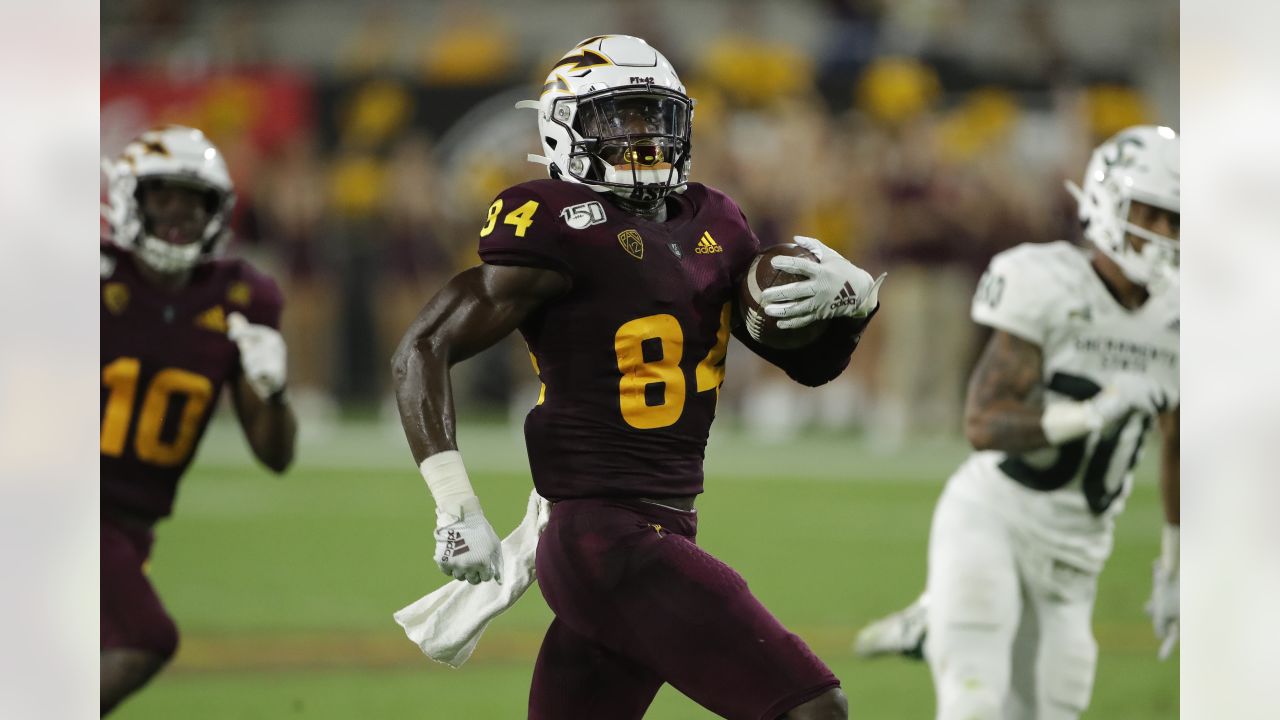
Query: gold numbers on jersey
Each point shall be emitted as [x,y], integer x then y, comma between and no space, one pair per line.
[710,372]
[155,405]
[665,340]
[492,219]
[521,218]
[637,374]
[120,378]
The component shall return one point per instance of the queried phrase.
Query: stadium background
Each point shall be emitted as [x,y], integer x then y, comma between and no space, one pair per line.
[366,140]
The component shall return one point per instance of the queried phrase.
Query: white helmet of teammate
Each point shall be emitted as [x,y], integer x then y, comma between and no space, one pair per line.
[613,115]
[171,154]
[1140,164]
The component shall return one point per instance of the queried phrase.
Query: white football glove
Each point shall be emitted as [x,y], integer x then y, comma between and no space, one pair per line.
[467,548]
[1129,392]
[901,633]
[1163,608]
[262,354]
[835,288]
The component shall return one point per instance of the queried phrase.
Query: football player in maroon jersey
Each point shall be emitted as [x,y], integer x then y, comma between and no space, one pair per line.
[177,323]
[621,276]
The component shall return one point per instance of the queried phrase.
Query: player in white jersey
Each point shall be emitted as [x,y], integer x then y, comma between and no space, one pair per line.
[1082,362]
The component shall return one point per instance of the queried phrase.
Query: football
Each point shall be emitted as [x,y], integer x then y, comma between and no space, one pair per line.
[761,275]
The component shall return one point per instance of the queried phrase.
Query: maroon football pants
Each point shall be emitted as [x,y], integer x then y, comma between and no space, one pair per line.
[638,603]
[131,613]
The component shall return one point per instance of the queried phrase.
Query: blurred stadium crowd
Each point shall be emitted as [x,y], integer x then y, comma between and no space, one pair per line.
[918,137]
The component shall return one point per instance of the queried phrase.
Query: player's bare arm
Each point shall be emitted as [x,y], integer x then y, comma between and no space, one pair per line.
[269,424]
[475,310]
[1006,410]
[1004,406]
[262,405]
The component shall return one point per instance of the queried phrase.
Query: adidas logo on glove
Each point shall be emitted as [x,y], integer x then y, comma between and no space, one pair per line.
[454,546]
[846,297]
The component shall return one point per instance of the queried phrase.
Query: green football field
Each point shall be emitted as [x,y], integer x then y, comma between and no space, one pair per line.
[283,588]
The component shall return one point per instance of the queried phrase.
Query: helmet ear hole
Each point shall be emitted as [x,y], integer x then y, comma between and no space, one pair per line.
[550,141]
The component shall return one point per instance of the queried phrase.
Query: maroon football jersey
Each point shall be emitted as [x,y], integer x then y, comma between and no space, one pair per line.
[165,358]
[632,356]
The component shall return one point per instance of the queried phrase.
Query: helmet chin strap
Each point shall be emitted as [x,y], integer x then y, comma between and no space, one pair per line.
[637,179]
[626,175]
[1133,268]
[1156,258]
[1165,279]
[1150,267]
[628,202]
[166,257]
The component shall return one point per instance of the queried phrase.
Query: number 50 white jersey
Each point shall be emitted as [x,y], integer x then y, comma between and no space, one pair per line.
[1066,498]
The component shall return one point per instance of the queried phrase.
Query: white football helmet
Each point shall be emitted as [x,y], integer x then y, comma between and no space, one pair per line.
[613,115]
[173,154]
[1139,163]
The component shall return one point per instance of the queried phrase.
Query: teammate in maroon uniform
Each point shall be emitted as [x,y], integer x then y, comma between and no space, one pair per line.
[177,323]
[621,277]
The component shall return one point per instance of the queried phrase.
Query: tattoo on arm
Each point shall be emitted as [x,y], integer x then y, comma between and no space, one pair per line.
[1005,397]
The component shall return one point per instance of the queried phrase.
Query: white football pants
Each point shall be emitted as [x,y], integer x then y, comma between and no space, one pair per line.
[1009,626]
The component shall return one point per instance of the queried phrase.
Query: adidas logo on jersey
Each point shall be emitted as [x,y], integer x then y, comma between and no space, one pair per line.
[707,245]
[212,319]
[846,297]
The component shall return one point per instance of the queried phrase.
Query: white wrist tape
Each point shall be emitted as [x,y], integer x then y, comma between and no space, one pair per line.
[448,482]
[1066,421]
[1169,555]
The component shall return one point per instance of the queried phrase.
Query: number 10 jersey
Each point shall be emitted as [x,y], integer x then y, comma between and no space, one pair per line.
[1050,295]
[631,358]
[165,356]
